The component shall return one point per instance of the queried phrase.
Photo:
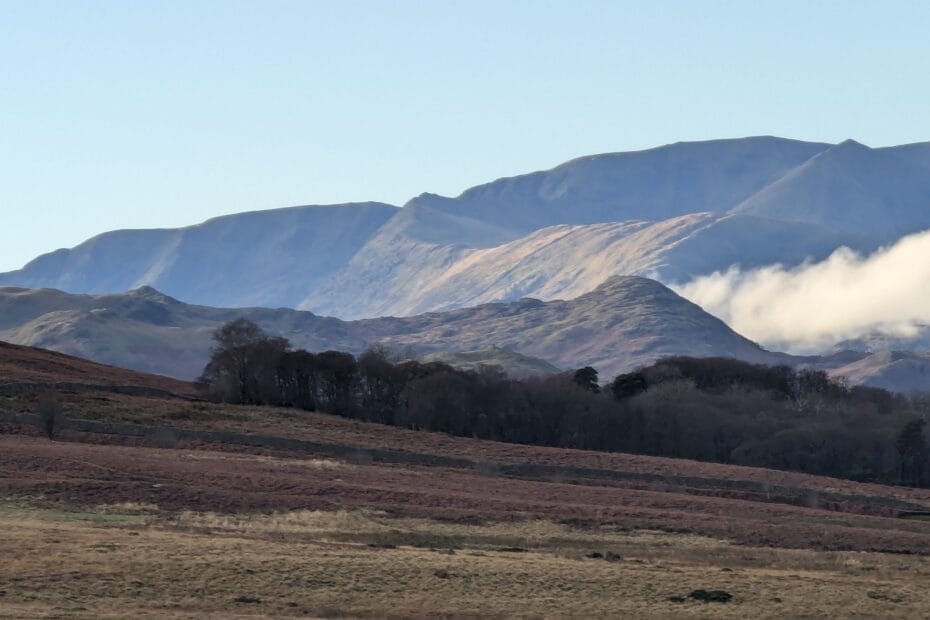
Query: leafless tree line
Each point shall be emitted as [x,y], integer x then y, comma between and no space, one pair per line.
[711,409]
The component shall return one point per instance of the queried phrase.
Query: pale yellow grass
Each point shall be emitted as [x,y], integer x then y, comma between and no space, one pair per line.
[60,564]
[310,463]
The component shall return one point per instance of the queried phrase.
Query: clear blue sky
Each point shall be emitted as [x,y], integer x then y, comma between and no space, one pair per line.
[135,114]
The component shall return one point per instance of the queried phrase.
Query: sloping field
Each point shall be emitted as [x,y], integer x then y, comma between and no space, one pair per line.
[354,435]
[217,481]
[19,364]
[110,456]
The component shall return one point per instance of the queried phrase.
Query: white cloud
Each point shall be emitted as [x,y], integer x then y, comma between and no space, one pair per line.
[813,306]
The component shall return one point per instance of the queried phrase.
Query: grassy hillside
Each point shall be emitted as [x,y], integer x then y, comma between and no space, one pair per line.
[19,364]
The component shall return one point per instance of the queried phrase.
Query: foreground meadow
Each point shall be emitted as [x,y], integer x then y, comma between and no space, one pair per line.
[136,561]
[139,559]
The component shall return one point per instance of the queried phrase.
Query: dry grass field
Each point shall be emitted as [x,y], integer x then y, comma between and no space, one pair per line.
[263,512]
[318,537]
[134,560]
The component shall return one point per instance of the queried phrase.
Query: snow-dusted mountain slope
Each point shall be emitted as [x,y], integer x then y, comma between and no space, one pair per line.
[564,261]
[655,184]
[779,212]
[259,258]
[852,189]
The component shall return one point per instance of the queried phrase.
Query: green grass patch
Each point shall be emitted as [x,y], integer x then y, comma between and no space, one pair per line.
[96,516]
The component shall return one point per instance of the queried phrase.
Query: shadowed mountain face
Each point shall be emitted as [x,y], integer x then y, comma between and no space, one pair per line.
[852,189]
[655,184]
[671,213]
[266,258]
[624,323]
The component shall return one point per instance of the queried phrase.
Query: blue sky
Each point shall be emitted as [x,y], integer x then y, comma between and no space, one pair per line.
[156,114]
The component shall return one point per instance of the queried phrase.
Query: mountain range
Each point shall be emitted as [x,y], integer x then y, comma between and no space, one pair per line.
[670,213]
[564,266]
[624,323]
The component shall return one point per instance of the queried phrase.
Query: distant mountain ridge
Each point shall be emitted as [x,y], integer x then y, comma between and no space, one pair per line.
[671,213]
[268,258]
[624,323]
[897,371]
[853,189]
[652,184]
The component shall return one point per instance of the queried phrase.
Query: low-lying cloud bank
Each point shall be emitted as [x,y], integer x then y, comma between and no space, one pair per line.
[812,307]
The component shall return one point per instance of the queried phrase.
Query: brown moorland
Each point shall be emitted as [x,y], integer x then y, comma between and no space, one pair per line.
[167,506]
[78,474]
[354,435]
[20,364]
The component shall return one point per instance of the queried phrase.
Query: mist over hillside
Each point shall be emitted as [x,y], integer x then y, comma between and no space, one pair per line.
[867,301]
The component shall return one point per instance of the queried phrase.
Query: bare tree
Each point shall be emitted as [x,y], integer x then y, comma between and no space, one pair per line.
[49,410]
